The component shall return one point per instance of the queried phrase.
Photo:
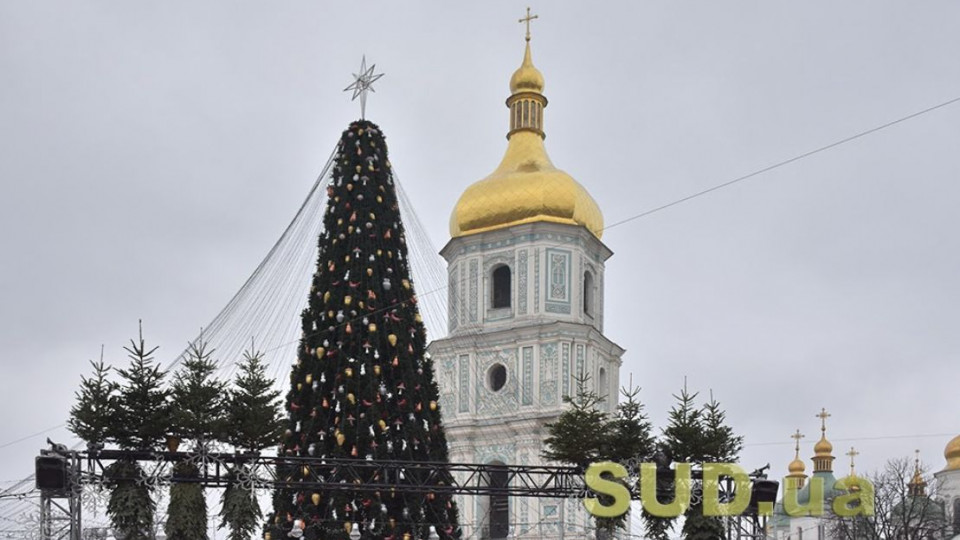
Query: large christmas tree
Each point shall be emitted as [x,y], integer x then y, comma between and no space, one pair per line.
[363,386]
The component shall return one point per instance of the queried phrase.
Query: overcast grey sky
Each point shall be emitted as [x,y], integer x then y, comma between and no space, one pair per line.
[150,154]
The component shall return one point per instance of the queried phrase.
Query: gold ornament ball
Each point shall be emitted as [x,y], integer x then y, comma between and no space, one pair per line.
[433,405]
[316,499]
[392,338]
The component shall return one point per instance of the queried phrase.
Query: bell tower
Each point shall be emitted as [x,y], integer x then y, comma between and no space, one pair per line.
[526,295]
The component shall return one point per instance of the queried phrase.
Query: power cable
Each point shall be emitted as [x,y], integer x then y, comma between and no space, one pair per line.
[784,162]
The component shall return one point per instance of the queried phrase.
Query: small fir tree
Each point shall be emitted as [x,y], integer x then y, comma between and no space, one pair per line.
[199,398]
[139,421]
[579,433]
[629,432]
[142,416]
[696,435]
[721,444]
[95,406]
[253,418]
[362,386]
[197,416]
[583,434]
[628,438]
[253,423]
[683,437]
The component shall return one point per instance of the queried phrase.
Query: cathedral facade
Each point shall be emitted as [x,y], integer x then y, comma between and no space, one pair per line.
[526,287]
[941,523]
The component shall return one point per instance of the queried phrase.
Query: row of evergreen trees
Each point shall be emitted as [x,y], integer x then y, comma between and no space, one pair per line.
[144,408]
[694,433]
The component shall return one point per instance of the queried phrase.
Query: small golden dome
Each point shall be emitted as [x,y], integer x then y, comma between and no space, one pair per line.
[526,78]
[952,453]
[917,479]
[851,482]
[796,466]
[823,447]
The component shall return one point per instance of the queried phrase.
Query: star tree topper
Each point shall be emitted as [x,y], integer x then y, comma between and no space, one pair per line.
[362,83]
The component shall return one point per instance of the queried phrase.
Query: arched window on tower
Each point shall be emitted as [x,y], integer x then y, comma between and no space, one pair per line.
[588,293]
[501,287]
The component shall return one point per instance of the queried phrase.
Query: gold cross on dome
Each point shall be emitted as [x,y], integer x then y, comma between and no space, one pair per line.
[852,453]
[823,415]
[527,20]
[797,436]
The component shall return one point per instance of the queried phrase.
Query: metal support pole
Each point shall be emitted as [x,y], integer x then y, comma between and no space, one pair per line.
[46,527]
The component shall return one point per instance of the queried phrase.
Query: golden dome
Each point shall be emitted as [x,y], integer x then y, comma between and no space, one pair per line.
[917,479]
[796,466]
[917,485]
[952,453]
[823,447]
[526,78]
[526,187]
[852,482]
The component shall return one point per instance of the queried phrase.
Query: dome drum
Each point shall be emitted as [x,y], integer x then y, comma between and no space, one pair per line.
[526,113]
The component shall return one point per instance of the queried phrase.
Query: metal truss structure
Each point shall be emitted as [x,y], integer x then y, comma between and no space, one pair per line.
[62,520]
